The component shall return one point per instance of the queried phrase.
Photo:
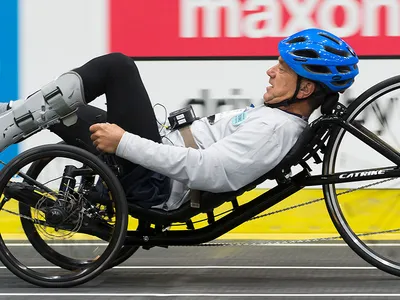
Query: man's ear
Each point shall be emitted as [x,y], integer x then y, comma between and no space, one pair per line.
[307,87]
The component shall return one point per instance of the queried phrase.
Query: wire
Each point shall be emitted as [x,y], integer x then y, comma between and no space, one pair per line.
[165,137]
[163,125]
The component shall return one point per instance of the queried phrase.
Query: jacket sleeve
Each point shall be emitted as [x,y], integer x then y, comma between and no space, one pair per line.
[226,165]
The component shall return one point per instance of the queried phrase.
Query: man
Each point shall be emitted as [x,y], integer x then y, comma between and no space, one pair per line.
[234,148]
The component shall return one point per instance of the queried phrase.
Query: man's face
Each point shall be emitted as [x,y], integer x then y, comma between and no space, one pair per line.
[282,83]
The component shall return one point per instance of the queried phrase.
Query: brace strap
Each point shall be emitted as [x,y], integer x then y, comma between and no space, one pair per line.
[54,97]
[24,118]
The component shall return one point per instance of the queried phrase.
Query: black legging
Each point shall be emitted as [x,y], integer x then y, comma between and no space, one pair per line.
[128,106]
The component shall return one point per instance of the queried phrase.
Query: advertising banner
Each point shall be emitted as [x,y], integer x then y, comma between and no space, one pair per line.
[203,28]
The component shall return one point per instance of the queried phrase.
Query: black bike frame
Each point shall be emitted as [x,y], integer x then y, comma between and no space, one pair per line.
[251,209]
[239,215]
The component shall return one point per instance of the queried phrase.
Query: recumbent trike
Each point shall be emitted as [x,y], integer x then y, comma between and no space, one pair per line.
[52,211]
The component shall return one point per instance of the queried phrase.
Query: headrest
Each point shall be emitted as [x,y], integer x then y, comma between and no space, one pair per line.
[329,103]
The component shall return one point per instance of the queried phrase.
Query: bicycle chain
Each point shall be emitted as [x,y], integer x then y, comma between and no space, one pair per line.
[283,242]
[21,216]
[314,240]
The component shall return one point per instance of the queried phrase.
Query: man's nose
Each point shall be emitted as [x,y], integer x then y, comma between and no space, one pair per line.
[271,72]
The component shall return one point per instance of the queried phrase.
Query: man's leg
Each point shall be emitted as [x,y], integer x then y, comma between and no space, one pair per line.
[78,134]
[114,75]
[58,100]
[128,104]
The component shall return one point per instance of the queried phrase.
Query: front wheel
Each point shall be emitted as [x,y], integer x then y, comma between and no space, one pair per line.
[63,216]
[367,213]
[53,254]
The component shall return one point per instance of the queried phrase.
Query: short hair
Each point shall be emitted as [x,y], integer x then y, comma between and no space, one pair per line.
[321,92]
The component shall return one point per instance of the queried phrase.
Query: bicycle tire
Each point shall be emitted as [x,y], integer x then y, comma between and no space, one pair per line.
[48,252]
[119,231]
[331,155]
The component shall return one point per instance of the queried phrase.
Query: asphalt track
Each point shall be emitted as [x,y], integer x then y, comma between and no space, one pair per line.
[306,271]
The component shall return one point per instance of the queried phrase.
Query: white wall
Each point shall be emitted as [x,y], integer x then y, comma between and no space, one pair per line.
[56,36]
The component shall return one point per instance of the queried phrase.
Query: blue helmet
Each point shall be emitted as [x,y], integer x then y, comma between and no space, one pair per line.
[320,56]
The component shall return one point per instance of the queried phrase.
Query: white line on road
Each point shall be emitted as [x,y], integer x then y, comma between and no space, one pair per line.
[194,295]
[225,267]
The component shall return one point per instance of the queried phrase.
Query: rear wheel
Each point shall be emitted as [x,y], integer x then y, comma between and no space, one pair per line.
[74,240]
[367,213]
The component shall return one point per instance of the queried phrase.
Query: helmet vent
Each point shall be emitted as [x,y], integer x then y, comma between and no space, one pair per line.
[329,37]
[343,69]
[342,82]
[298,39]
[336,51]
[306,53]
[317,69]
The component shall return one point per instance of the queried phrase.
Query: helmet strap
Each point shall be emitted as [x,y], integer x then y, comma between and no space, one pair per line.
[290,101]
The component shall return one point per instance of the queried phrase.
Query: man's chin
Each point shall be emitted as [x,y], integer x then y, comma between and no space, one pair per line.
[267,99]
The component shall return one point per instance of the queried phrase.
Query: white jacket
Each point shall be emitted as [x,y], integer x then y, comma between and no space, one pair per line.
[237,148]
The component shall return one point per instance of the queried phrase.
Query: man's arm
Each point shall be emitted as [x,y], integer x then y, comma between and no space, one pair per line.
[227,165]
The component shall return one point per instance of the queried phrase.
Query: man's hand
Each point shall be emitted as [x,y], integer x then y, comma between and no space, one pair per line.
[106,136]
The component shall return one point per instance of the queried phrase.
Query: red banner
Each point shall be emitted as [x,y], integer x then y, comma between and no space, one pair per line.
[181,28]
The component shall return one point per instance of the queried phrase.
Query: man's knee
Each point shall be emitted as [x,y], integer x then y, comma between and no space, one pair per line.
[120,62]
